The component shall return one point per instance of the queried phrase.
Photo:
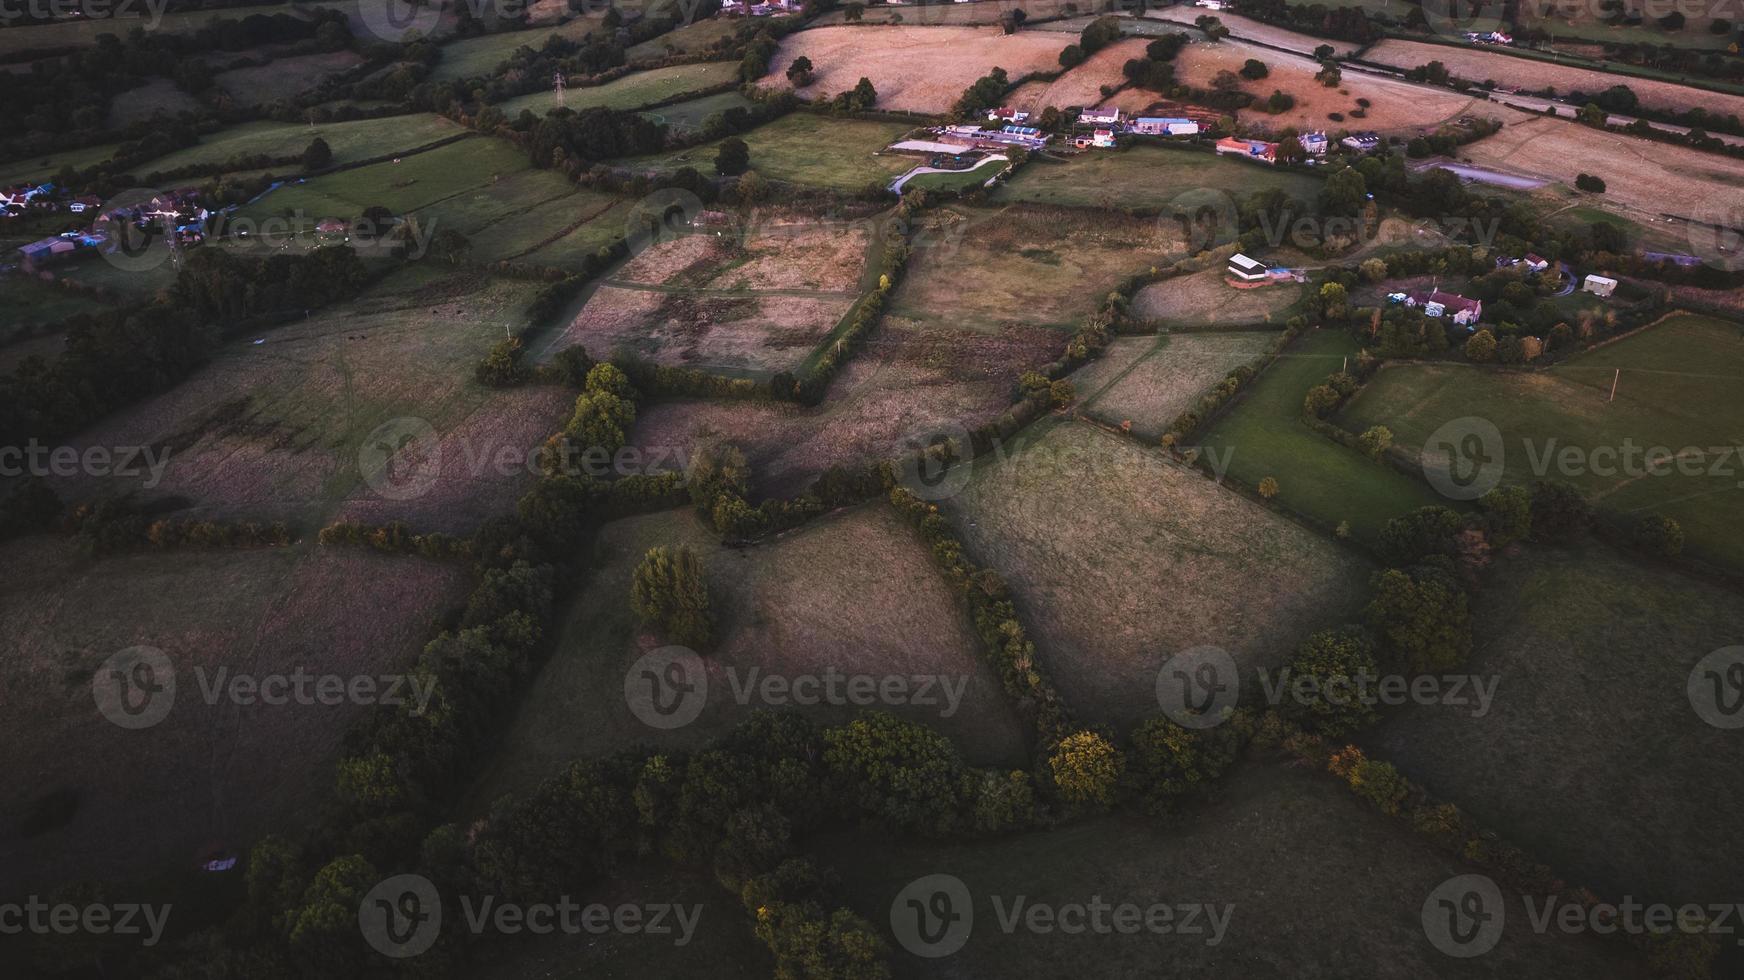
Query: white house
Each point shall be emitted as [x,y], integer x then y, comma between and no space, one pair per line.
[1246,269]
[1103,138]
[1314,144]
[1601,286]
[1109,116]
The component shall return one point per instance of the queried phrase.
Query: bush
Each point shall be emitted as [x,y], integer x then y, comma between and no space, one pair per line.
[1659,535]
[1590,183]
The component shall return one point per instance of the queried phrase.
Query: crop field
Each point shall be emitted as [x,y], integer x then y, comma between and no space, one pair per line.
[1644,176]
[1532,75]
[633,91]
[277,430]
[1122,559]
[360,139]
[1248,28]
[921,69]
[1206,299]
[1263,435]
[209,775]
[805,148]
[284,78]
[684,117]
[1396,106]
[1591,655]
[1678,399]
[477,56]
[1148,381]
[1146,177]
[791,606]
[144,101]
[1268,848]
[1033,266]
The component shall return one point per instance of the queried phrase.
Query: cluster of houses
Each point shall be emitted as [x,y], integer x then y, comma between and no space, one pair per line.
[21,198]
[178,213]
[1464,311]
[1314,144]
[762,8]
[1489,37]
[1106,124]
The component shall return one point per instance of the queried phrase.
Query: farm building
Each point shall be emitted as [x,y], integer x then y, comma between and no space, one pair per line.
[48,251]
[1258,150]
[1436,303]
[1535,263]
[1361,142]
[1246,269]
[1601,286]
[1156,126]
[1007,114]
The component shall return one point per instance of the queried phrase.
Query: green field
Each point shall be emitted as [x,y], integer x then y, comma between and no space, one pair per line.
[45,167]
[360,139]
[1680,389]
[959,181]
[805,148]
[481,55]
[1146,176]
[30,302]
[685,116]
[79,32]
[685,40]
[1263,435]
[633,91]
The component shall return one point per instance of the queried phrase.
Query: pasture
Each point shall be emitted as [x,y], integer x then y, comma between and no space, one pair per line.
[360,139]
[1121,559]
[210,774]
[919,69]
[1678,404]
[142,102]
[633,91]
[476,56]
[79,32]
[684,117]
[1148,381]
[1592,654]
[1248,28]
[275,430]
[44,167]
[1270,848]
[284,78]
[31,302]
[1206,299]
[1147,177]
[792,606]
[1033,266]
[697,36]
[804,148]
[1263,435]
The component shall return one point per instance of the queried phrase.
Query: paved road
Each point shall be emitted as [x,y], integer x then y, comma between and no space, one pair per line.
[896,188]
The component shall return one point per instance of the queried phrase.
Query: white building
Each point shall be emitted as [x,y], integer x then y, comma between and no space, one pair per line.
[1156,126]
[1601,286]
[1246,269]
[1108,116]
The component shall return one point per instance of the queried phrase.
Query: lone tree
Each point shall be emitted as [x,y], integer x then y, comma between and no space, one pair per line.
[318,155]
[670,594]
[1254,69]
[733,159]
[800,72]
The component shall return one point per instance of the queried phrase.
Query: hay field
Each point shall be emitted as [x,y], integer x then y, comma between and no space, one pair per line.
[1397,106]
[856,591]
[919,69]
[1273,841]
[208,774]
[1529,74]
[1082,86]
[1247,27]
[1032,265]
[1593,653]
[1642,175]
[1148,381]
[274,431]
[1122,559]
[1204,298]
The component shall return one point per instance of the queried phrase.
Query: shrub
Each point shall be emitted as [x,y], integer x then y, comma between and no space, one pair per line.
[1659,535]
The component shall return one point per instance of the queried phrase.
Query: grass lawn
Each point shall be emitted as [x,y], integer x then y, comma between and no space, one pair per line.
[1120,559]
[806,148]
[359,139]
[1592,654]
[1680,391]
[1146,176]
[630,92]
[1264,436]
